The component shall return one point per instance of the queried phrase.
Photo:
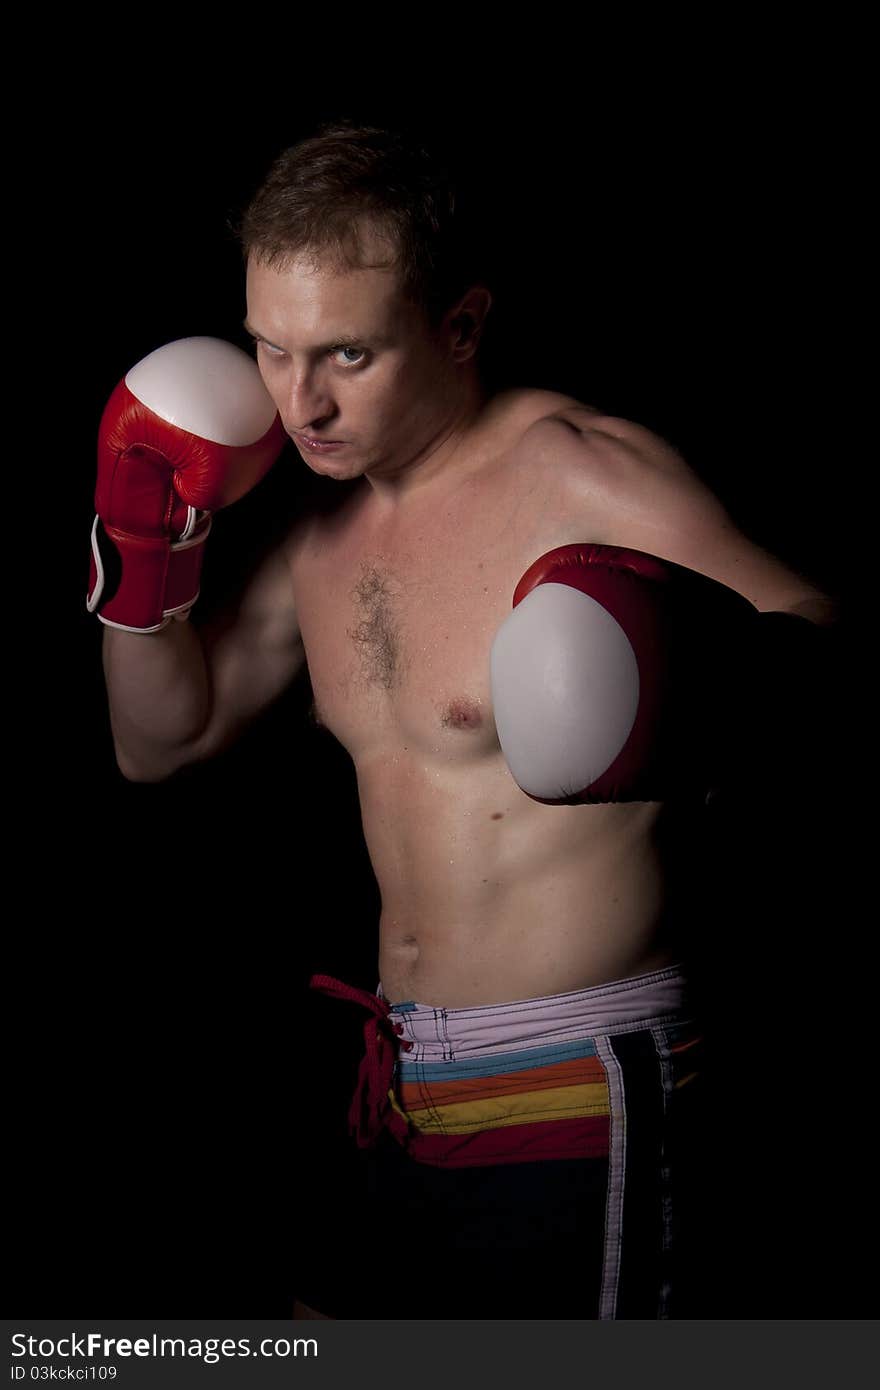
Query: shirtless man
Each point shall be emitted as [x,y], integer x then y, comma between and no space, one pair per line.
[488,895]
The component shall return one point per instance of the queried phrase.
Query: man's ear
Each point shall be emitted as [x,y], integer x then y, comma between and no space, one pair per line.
[468,317]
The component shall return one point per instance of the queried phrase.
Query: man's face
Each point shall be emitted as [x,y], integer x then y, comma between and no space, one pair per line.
[345,357]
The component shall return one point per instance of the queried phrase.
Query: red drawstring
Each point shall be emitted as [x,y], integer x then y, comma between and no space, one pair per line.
[371,1108]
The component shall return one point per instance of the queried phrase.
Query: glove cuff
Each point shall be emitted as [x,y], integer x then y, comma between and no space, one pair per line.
[139,583]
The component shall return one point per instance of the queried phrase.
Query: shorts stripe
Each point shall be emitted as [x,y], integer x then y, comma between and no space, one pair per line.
[506,1105]
[527,1059]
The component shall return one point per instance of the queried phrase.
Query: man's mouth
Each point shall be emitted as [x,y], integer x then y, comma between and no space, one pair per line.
[318,446]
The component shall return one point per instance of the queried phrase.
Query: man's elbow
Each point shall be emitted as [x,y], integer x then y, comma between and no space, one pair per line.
[152,771]
[822,612]
[133,774]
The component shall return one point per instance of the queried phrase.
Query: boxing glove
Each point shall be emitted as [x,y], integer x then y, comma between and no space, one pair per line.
[617,675]
[189,429]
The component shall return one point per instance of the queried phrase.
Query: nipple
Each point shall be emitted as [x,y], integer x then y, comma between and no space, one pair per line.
[462,714]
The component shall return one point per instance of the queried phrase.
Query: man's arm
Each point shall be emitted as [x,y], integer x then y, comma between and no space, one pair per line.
[629,488]
[635,490]
[184,694]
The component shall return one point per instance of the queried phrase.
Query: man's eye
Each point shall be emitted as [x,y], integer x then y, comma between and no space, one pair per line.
[267,347]
[271,351]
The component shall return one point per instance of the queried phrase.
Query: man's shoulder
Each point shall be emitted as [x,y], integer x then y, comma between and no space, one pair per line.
[322,504]
[593,434]
[590,444]
[525,408]
[606,468]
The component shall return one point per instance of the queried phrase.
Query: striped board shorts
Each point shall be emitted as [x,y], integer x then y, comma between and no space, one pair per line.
[532,1158]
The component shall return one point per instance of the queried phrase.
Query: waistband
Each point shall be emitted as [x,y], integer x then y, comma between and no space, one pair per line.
[433,1033]
[438,1034]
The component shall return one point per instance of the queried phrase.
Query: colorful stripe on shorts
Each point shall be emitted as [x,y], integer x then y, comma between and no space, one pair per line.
[520,1106]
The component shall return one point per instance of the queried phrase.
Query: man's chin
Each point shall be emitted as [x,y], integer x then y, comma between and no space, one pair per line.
[329,466]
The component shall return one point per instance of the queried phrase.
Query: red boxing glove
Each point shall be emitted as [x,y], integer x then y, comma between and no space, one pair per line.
[191,428]
[617,676]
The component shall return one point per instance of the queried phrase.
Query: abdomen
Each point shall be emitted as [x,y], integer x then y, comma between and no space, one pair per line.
[488,895]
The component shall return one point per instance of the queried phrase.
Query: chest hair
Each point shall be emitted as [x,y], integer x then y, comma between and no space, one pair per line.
[376,632]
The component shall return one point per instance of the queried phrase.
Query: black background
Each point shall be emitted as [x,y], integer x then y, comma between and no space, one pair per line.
[677,242]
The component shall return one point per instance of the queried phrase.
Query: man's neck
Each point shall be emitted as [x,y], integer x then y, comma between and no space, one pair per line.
[438,463]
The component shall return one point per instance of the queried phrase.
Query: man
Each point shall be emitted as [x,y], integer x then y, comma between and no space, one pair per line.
[524,1092]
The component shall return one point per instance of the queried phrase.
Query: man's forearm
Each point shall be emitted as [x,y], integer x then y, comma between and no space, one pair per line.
[158,693]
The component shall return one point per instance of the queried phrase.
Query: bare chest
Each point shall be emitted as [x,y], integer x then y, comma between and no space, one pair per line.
[398,620]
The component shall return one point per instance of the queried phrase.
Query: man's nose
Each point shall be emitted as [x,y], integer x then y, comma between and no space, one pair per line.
[306,405]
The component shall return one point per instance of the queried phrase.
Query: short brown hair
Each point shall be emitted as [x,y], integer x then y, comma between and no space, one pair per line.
[316,190]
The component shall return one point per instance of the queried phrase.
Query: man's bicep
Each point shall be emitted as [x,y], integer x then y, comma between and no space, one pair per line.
[253,651]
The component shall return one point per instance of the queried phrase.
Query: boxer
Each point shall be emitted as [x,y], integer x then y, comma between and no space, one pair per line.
[537,634]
